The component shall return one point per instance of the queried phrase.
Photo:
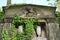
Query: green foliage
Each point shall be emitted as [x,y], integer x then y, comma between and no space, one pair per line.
[57,14]
[17,19]
[29,29]
[20,36]
[57,0]
[58,17]
[1,14]
[5,35]
[13,35]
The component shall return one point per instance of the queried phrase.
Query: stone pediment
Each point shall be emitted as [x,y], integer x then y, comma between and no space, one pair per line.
[28,10]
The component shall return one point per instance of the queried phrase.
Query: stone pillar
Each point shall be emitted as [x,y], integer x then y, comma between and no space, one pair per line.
[58,33]
[8,2]
[38,31]
[8,26]
[1,27]
[52,29]
[20,28]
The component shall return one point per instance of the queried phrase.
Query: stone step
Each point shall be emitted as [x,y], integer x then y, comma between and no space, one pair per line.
[39,38]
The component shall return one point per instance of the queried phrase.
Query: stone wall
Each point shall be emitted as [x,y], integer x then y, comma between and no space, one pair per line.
[52,30]
[58,35]
[1,27]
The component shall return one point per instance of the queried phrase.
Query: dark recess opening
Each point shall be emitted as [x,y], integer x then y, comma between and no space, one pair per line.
[43,25]
[43,28]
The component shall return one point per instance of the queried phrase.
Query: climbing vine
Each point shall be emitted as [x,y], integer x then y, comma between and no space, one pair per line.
[57,17]
[18,20]
[29,29]
[13,33]
[1,14]
[28,33]
[5,35]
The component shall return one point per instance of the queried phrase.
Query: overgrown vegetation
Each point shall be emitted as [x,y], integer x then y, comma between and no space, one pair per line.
[20,36]
[58,17]
[28,32]
[1,14]
[57,14]
[29,29]
[5,35]
[13,33]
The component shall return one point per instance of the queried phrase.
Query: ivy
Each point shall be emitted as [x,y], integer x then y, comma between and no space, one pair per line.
[5,35]
[18,19]
[13,33]
[1,14]
[57,14]
[20,36]
[57,17]
[29,29]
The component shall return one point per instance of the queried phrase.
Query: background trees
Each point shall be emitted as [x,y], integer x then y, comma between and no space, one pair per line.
[58,17]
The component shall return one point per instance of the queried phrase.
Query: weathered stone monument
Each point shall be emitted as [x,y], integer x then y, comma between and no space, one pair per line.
[45,13]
